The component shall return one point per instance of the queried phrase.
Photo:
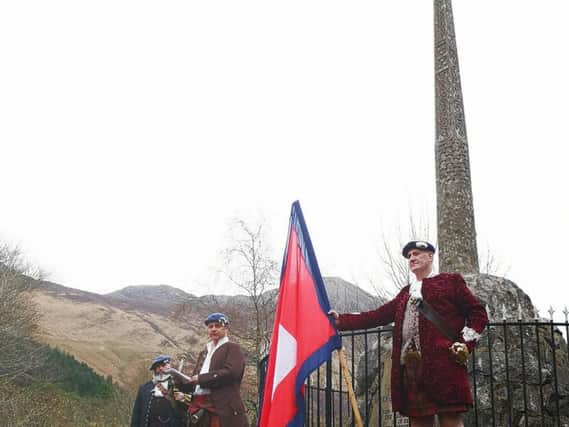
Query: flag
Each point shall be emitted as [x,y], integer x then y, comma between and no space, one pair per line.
[304,335]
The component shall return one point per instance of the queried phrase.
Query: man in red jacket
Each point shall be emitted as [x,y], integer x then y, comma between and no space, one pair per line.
[428,374]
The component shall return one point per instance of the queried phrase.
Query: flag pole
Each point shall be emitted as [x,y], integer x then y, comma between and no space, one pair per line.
[351,394]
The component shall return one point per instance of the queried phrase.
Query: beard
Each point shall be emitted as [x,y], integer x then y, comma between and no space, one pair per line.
[158,378]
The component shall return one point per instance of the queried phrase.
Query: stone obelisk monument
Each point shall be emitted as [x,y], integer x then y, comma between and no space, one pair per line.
[458,253]
[455,211]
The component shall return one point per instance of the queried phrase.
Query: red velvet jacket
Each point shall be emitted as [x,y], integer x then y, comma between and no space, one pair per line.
[444,380]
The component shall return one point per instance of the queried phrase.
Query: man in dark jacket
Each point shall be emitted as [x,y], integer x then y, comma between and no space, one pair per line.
[155,405]
[216,401]
[428,372]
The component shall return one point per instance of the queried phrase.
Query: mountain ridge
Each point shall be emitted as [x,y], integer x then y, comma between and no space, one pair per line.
[119,332]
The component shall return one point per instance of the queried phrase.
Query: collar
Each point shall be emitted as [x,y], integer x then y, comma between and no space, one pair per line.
[416,285]
[156,392]
[212,347]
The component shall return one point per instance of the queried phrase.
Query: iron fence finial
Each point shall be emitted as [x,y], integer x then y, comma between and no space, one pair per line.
[551,311]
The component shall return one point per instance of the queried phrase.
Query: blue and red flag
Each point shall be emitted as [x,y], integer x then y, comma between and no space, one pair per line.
[304,335]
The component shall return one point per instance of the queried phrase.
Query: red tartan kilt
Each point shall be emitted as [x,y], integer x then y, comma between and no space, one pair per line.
[203,401]
[416,400]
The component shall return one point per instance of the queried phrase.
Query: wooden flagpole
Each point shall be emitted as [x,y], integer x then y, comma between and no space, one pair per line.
[351,394]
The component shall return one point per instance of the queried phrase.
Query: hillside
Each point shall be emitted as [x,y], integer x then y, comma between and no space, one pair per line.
[115,334]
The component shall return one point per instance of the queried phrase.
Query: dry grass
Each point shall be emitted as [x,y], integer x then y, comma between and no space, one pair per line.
[111,341]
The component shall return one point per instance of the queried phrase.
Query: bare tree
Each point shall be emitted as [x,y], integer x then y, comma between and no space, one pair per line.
[489,264]
[18,314]
[21,356]
[251,268]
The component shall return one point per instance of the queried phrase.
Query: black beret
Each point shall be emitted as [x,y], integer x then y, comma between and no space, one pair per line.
[217,317]
[417,244]
[158,360]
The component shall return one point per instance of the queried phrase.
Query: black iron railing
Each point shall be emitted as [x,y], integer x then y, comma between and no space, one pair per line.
[519,375]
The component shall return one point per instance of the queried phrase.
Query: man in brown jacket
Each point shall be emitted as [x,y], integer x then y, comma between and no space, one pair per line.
[216,401]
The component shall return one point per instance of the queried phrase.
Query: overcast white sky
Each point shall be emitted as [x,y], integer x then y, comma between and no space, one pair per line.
[133,131]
